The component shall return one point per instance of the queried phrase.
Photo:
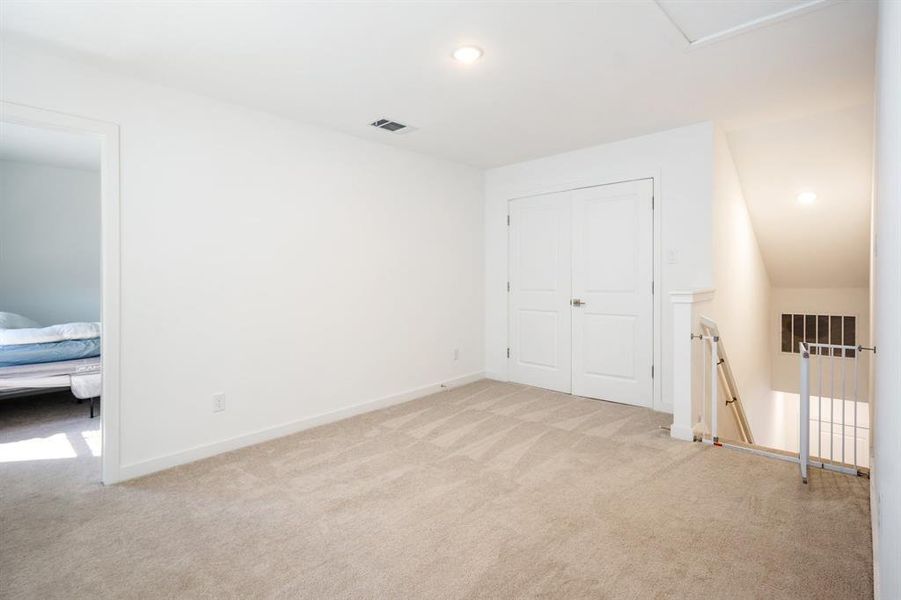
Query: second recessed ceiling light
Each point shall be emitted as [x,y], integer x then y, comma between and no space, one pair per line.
[467,54]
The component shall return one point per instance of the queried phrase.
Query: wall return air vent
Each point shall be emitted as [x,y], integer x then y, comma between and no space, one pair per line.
[392,126]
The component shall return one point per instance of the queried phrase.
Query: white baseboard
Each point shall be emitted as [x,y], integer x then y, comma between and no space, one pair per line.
[256,437]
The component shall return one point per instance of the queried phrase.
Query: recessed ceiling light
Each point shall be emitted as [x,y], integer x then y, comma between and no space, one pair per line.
[807,197]
[467,54]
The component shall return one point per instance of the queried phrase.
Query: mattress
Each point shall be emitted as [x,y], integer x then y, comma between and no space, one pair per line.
[52,352]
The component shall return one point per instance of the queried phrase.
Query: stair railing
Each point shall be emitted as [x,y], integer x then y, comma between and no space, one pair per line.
[719,365]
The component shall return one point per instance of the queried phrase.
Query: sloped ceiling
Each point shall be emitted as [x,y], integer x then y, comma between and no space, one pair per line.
[824,244]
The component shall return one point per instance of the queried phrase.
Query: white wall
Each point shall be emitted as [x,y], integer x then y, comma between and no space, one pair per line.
[886,284]
[822,301]
[49,242]
[297,270]
[742,300]
[680,160]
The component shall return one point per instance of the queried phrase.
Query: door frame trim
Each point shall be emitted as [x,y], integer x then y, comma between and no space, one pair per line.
[110,264]
[657,266]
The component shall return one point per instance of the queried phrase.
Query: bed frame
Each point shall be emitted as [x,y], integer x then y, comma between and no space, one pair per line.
[81,376]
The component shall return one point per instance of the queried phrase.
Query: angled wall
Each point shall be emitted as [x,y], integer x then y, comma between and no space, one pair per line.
[742,301]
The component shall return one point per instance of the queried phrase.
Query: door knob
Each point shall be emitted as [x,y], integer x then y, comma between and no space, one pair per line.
[577,302]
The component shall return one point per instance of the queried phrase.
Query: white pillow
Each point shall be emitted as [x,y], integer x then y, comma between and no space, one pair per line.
[14,321]
[47,335]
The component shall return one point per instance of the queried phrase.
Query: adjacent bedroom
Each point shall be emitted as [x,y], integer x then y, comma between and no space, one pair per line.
[50,290]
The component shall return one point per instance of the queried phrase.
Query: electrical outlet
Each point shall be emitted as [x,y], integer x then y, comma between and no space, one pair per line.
[218,402]
[456,354]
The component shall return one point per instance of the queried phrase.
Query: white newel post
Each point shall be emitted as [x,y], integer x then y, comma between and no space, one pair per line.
[683,321]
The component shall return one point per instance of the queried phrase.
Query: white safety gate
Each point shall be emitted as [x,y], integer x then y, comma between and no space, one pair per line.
[832,410]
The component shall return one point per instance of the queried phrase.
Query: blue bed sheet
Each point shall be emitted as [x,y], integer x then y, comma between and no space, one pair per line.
[29,354]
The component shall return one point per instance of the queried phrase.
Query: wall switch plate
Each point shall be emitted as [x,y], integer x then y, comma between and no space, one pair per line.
[218,402]
[456,354]
[672,256]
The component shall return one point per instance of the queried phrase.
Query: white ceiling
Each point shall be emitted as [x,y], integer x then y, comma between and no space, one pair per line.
[49,147]
[555,76]
[825,244]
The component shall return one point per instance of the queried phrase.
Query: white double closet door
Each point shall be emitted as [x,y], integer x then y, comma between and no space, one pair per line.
[580,291]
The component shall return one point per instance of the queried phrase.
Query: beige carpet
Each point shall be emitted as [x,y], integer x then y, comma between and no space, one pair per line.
[491,490]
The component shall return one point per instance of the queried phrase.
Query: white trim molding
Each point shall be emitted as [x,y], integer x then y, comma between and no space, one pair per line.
[683,302]
[691,296]
[746,26]
[110,241]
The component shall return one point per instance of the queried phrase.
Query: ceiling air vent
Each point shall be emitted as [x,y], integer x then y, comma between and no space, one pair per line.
[392,126]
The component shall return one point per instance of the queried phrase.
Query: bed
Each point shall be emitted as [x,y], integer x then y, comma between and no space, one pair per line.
[36,359]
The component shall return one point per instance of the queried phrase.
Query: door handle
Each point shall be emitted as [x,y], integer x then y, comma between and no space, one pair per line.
[577,302]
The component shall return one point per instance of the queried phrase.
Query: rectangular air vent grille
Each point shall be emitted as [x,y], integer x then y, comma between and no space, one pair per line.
[392,126]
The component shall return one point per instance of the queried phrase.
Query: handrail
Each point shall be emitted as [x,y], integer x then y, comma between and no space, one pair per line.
[720,363]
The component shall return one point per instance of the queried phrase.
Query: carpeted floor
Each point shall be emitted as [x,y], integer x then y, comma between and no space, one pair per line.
[491,490]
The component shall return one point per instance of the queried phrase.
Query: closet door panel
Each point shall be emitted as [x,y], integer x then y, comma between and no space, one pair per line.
[540,277]
[612,275]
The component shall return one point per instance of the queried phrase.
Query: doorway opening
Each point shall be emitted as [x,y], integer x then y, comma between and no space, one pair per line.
[59,302]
